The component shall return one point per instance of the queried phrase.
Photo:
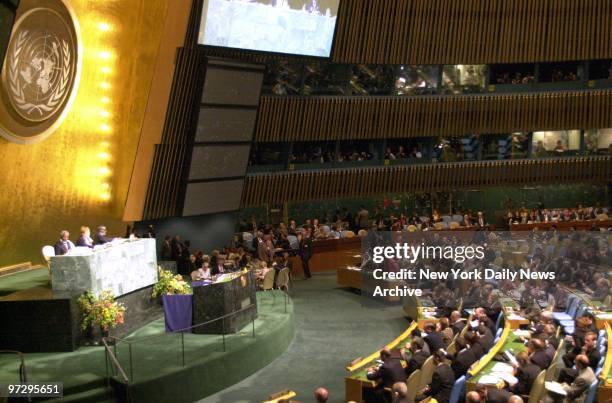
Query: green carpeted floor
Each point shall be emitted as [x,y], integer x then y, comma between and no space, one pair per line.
[157,368]
[331,329]
[24,280]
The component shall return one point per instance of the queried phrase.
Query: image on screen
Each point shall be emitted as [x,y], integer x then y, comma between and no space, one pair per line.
[301,27]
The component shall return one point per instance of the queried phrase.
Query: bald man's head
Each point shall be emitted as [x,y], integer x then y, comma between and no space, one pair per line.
[400,389]
[515,399]
[472,397]
[321,395]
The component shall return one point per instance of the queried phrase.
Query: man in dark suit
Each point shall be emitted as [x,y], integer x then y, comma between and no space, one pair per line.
[64,245]
[589,349]
[473,341]
[486,338]
[463,359]
[166,249]
[537,353]
[433,338]
[526,372]
[306,251]
[100,236]
[417,357]
[442,380]
[457,322]
[386,374]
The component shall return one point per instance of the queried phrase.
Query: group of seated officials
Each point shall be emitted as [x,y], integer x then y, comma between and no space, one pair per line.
[65,245]
[580,360]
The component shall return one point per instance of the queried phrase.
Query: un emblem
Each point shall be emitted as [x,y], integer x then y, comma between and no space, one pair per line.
[40,72]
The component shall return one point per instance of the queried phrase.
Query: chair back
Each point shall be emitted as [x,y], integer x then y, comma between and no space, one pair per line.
[247,240]
[293,242]
[282,280]
[457,217]
[412,228]
[458,390]
[453,225]
[268,281]
[498,334]
[362,233]
[348,234]
[447,218]
[440,225]
[551,373]
[427,370]
[451,349]
[572,309]
[537,389]
[48,252]
[413,382]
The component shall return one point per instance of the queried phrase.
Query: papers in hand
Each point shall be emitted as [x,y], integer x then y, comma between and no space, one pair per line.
[510,357]
[555,387]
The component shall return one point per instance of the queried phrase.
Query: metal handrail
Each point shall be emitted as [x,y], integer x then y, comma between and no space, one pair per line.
[23,376]
[114,361]
[179,330]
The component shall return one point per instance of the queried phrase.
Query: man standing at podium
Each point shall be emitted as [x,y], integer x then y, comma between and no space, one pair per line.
[64,245]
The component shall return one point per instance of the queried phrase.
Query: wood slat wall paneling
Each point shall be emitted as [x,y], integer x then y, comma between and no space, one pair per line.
[344,118]
[471,31]
[338,183]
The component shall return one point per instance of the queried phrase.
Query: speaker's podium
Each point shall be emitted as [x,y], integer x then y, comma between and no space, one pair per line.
[48,319]
[232,298]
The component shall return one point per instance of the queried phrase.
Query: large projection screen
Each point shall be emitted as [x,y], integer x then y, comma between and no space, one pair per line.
[299,27]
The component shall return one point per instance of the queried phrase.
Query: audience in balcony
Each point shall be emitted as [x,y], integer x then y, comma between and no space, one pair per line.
[516,78]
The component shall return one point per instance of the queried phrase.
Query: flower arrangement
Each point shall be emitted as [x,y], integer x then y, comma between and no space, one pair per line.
[101,310]
[170,284]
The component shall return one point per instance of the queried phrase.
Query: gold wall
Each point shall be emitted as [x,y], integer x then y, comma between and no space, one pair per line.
[80,175]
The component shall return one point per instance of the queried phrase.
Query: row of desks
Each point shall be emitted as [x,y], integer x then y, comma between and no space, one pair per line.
[357,379]
[563,225]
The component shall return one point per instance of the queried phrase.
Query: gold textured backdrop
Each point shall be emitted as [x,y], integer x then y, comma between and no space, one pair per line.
[80,175]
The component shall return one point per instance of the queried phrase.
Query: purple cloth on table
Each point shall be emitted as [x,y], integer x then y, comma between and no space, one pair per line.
[201,283]
[177,312]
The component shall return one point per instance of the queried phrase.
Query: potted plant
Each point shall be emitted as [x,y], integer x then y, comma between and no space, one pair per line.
[100,314]
[170,284]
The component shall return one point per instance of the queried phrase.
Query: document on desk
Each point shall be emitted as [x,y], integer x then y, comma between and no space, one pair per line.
[502,367]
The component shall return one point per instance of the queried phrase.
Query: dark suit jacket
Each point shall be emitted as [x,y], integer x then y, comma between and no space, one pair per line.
[166,251]
[388,373]
[495,395]
[416,362]
[83,241]
[60,249]
[306,248]
[478,350]
[434,341]
[462,362]
[458,327]
[442,383]
[526,375]
[487,341]
[99,239]
[541,359]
